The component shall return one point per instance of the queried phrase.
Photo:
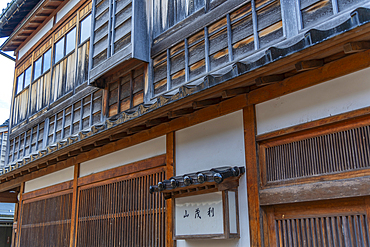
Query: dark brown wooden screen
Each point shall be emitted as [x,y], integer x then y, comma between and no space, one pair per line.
[47,222]
[335,230]
[122,212]
[339,223]
[326,154]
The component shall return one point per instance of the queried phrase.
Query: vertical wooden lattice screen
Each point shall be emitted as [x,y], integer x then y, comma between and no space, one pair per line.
[47,222]
[122,213]
[336,152]
[337,230]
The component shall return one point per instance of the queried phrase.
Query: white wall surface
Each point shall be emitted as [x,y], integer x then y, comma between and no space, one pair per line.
[36,38]
[330,98]
[126,156]
[50,179]
[66,9]
[215,143]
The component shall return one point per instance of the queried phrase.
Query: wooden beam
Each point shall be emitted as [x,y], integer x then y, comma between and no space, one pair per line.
[252,175]
[87,148]
[170,171]
[343,188]
[358,46]
[308,65]
[206,102]
[9,197]
[74,206]
[102,142]
[180,112]
[266,80]
[136,129]
[20,211]
[228,93]
[156,121]
[329,71]
[118,136]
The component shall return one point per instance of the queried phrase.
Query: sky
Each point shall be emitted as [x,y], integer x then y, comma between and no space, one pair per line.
[6,78]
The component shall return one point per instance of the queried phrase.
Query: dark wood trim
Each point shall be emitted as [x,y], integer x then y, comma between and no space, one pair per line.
[74,206]
[48,190]
[170,171]
[19,221]
[47,196]
[317,123]
[325,190]
[9,197]
[329,71]
[252,175]
[319,130]
[124,170]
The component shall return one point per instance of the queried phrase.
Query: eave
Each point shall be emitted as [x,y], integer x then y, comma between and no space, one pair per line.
[318,57]
[26,27]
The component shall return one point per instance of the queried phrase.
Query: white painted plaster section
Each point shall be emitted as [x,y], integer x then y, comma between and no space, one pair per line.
[66,9]
[126,156]
[36,38]
[344,94]
[215,143]
[50,179]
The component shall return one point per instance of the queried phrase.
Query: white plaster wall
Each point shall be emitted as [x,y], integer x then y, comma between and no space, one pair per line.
[66,9]
[36,38]
[50,179]
[215,143]
[138,152]
[330,98]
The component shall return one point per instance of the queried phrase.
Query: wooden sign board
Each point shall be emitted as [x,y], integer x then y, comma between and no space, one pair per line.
[213,215]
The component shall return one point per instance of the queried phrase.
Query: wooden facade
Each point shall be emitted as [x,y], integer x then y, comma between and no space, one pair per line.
[111,97]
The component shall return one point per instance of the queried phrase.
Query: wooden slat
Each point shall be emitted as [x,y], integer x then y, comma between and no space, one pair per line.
[48,190]
[170,165]
[252,175]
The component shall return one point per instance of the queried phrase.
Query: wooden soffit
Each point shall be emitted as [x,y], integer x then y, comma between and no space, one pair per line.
[32,23]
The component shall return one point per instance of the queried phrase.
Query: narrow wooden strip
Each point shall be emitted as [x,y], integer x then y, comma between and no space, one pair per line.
[358,46]
[308,65]
[170,171]
[73,232]
[252,175]
[51,189]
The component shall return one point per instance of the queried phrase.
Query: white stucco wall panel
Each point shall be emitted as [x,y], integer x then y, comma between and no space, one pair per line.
[66,9]
[50,179]
[36,38]
[344,94]
[215,143]
[126,156]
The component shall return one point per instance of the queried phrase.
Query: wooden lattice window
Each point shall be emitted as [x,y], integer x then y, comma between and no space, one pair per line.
[121,212]
[46,221]
[288,159]
[126,92]
[329,223]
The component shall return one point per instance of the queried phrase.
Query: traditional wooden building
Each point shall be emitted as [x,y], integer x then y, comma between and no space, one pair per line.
[189,123]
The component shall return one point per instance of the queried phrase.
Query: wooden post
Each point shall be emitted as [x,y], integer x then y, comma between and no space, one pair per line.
[19,221]
[252,175]
[73,234]
[170,171]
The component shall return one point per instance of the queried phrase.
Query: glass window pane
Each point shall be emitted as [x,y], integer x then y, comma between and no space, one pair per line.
[71,41]
[59,50]
[37,68]
[85,29]
[47,59]
[27,77]
[20,83]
